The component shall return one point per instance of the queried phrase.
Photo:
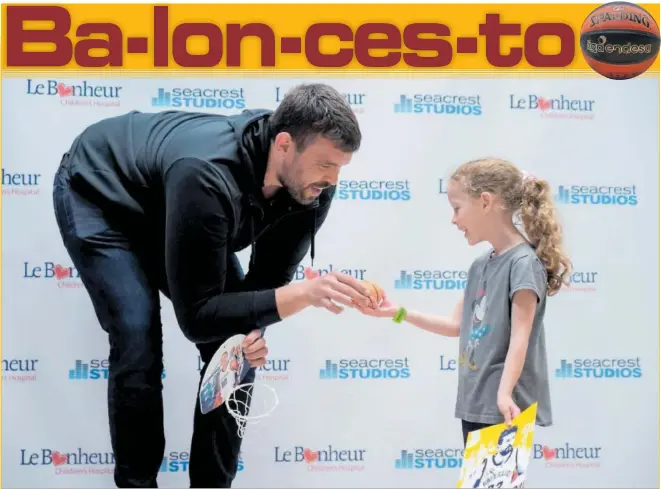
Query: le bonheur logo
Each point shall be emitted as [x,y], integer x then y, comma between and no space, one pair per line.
[430,458]
[581,281]
[66,277]
[77,462]
[446,280]
[568,456]
[19,369]
[273,369]
[356,100]
[357,273]
[83,93]
[93,369]
[554,107]
[381,190]
[366,369]
[20,183]
[599,368]
[447,364]
[329,459]
[200,98]
[610,195]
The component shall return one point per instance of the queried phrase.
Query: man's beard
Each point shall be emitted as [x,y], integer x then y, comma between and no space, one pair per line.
[298,194]
[506,451]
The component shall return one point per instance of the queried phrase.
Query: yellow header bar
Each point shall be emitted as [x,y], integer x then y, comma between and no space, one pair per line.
[294,37]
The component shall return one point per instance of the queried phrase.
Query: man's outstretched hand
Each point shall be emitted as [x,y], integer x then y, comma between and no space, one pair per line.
[254,348]
[335,288]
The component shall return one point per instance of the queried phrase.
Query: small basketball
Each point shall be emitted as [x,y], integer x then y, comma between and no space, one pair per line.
[620,40]
[376,293]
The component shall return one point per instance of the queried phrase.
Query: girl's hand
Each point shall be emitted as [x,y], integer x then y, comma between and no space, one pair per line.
[386,310]
[507,408]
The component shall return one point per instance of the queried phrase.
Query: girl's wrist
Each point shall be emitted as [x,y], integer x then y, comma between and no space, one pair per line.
[399,315]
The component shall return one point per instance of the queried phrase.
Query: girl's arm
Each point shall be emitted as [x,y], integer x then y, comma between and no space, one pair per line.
[443,325]
[524,304]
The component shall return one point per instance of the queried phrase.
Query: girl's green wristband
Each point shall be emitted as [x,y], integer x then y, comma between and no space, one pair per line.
[400,315]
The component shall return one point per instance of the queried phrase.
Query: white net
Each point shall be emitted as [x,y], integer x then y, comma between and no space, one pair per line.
[250,403]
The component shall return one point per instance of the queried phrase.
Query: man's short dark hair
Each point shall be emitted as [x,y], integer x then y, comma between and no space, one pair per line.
[312,110]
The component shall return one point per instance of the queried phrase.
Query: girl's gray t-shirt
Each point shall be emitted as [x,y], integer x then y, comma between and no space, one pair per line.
[485,336]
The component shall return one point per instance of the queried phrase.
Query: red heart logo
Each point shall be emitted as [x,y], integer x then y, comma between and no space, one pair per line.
[310,456]
[61,272]
[549,453]
[64,90]
[543,104]
[59,459]
[311,274]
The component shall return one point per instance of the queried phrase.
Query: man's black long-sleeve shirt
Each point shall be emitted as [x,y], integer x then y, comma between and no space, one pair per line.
[196,178]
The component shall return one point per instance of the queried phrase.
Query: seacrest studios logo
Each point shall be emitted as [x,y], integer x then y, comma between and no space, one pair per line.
[431,280]
[329,459]
[93,369]
[439,104]
[599,368]
[555,107]
[200,98]
[175,462]
[379,190]
[430,458]
[366,369]
[20,183]
[76,94]
[610,195]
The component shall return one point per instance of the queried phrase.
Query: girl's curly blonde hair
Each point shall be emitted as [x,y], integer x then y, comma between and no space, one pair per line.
[530,195]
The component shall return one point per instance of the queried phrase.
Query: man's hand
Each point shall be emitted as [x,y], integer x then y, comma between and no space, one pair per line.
[326,290]
[254,348]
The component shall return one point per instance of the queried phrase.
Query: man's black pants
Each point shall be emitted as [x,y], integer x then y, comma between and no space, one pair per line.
[123,278]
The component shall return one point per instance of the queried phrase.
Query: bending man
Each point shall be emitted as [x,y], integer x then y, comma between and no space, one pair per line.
[150,202]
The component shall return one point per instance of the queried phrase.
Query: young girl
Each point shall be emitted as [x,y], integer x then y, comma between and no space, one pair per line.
[500,320]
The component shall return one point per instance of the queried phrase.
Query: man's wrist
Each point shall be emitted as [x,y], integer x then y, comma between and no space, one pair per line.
[291,299]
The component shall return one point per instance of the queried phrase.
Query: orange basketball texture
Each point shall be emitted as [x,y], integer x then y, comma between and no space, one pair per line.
[376,292]
[620,40]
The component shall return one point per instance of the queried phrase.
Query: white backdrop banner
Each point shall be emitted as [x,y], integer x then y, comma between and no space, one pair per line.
[340,423]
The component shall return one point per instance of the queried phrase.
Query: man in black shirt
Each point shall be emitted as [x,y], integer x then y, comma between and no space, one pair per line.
[149,202]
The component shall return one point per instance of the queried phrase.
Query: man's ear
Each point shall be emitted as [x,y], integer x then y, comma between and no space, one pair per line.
[283,141]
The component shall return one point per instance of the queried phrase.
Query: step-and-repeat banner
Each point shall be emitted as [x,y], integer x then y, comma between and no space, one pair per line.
[341,421]
[596,144]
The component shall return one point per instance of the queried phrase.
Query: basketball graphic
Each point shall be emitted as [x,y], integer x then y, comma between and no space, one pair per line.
[620,40]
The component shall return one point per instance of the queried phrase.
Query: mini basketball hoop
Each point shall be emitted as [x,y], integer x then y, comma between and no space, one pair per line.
[248,411]
[248,403]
